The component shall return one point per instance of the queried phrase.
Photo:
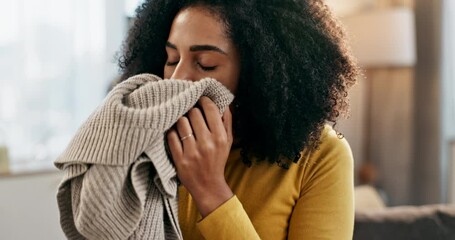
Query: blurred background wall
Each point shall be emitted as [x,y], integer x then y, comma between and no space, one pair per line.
[402,115]
[28,207]
[381,127]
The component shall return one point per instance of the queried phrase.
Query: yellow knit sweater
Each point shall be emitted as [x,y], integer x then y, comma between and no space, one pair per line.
[311,200]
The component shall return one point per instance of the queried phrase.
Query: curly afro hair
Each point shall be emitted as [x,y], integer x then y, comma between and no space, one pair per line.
[296,68]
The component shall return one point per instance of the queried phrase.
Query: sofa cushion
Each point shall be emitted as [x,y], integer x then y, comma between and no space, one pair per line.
[367,197]
[406,222]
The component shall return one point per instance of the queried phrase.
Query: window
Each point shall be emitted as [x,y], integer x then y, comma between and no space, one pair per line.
[448,99]
[56,64]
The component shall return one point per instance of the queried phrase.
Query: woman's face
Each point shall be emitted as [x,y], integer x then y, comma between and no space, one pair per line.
[198,47]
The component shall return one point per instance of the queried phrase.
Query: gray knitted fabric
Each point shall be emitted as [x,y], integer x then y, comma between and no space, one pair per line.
[119,182]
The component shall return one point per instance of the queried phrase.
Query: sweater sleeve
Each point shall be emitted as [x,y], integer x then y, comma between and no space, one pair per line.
[107,206]
[228,221]
[103,202]
[325,208]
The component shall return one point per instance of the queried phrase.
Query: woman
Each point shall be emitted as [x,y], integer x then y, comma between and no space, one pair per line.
[276,170]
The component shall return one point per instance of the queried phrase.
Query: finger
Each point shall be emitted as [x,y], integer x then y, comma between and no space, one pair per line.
[198,123]
[227,123]
[175,146]
[184,127]
[185,131]
[212,115]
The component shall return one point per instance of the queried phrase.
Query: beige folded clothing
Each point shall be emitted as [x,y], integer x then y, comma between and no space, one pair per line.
[119,181]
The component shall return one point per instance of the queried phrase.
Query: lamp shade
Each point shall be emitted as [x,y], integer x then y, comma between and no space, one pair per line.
[383,38]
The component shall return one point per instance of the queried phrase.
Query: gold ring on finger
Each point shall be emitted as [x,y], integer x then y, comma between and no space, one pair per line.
[187,136]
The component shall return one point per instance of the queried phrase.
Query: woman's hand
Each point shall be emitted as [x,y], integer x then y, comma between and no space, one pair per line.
[200,148]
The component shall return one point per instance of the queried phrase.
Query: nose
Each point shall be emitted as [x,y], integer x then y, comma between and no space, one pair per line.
[184,71]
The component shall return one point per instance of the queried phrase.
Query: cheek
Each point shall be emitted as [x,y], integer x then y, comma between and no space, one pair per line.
[231,82]
[167,73]
[234,75]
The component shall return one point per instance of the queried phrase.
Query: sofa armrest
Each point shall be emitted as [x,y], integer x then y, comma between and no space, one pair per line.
[406,222]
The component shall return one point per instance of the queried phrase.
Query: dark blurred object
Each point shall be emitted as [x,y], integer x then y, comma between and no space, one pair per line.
[4,161]
[435,222]
[368,174]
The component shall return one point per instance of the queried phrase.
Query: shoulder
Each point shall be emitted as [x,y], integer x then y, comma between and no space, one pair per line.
[332,154]
[331,140]
[331,164]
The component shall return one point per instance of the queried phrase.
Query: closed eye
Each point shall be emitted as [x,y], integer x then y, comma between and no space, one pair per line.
[172,63]
[206,68]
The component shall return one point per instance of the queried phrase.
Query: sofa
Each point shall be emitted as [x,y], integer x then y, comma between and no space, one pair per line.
[374,221]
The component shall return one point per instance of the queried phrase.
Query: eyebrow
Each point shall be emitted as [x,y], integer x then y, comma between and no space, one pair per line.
[196,48]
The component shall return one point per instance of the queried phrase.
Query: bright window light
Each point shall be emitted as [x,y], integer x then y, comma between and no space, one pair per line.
[56,68]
